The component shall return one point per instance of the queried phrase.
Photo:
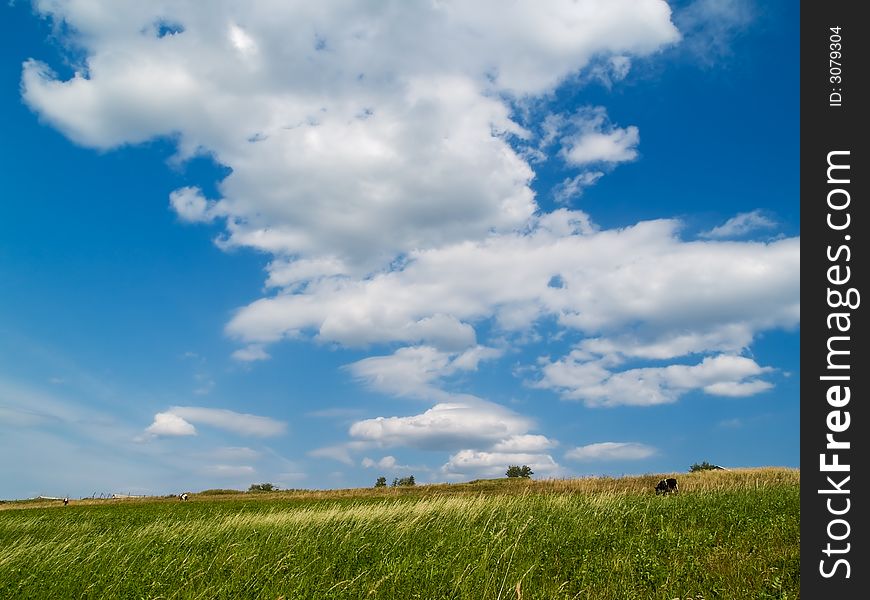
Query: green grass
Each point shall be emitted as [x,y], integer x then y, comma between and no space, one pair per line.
[729,535]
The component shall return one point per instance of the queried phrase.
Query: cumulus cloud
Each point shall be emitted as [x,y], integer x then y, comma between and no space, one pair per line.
[596,385]
[469,463]
[611,451]
[415,371]
[524,443]
[251,353]
[338,121]
[191,205]
[642,275]
[178,420]
[387,462]
[740,225]
[461,422]
[464,422]
[169,424]
[593,139]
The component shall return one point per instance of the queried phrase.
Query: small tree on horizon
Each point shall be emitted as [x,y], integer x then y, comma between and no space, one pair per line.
[262,487]
[524,471]
[704,466]
[381,482]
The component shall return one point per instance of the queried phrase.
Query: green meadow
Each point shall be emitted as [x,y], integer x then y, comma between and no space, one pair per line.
[727,534]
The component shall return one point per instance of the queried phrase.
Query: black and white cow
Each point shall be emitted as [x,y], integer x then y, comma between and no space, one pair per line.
[666,486]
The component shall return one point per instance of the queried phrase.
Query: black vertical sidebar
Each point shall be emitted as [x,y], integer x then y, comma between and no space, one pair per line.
[835,343]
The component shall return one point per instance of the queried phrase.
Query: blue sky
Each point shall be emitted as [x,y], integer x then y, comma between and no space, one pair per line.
[313,246]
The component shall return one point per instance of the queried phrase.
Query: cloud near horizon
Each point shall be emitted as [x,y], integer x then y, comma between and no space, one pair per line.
[611,451]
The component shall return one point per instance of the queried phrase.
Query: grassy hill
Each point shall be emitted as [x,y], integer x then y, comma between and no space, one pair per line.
[727,534]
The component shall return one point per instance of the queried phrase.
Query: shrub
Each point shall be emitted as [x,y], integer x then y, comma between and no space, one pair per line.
[404,481]
[704,466]
[381,482]
[517,471]
[262,487]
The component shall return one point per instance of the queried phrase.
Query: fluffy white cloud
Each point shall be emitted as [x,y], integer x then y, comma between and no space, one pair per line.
[347,136]
[671,292]
[740,225]
[387,462]
[415,371]
[611,451]
[464,422]
[471,463]
[191,205]
[251,353]
[524,443]
[593,139]
[169,424]
[178,420]
[729,337]
[595,384]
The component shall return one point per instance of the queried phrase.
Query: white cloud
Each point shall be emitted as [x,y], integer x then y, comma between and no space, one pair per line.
[464,422]
[191,205]
[251,353]
[473,463]
[611,451]
[523,443]
[241,41]
[593,139]
[710,26]
[178,420]
[572,187]
[593,382]
[415,371]
[168,424]
[740,225]
[338,121]
[729,337]
[643,276]
[387,462]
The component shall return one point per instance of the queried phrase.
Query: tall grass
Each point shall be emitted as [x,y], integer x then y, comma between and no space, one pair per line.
[729,535]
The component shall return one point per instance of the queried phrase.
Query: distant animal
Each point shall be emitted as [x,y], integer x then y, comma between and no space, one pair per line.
[65,501]
[183,496]
[666,486]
